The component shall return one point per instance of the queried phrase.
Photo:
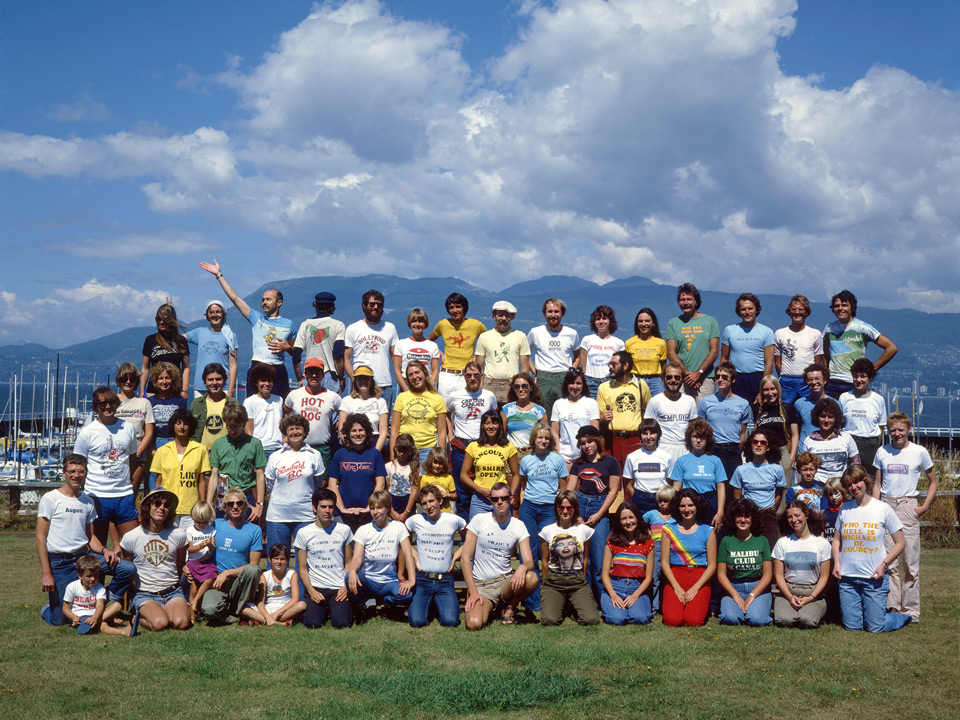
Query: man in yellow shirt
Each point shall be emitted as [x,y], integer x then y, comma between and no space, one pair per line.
[622,400]
[459,334]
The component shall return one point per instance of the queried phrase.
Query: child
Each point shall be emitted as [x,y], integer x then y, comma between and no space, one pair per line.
[645,469]
[865,412]
[84,600]
[831,502]
[376,546]
[239,457]
[264,410]
[208,408]
[807,490]
[416,347]
[436,471]
[656,519]
[278,600]
[403,478]
[201,553]
[626,569]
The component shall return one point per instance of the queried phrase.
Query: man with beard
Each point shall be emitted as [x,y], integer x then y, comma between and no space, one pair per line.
[502,352]
[370,342]
[622,401]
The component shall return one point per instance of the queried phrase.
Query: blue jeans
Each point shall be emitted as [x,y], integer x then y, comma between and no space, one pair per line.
[655,383]
[438,592]
[757,615]
[594,385]
[536,516]
[590,504]
[863,606]
[464,494]
[386,592]
[63,567]
[479,504]
[640,613]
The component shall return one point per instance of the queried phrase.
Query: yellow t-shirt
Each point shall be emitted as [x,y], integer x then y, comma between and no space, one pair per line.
[214,427]
[628,401]
[181,476]
[648,355]
[458,341]
[419,415]
[490,464]
[445,483]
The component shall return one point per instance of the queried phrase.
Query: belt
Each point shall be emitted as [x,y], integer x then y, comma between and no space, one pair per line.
[167,591]
[626,433]
[82,551]
[452,372]
[433,575]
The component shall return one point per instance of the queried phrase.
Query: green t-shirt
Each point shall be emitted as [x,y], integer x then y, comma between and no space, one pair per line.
[744,558]
[693,339]
[237,459]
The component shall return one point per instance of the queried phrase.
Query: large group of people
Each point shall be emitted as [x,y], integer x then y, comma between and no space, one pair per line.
[593,478]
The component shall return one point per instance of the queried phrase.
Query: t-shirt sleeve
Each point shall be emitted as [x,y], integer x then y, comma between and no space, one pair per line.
[379,467]
[192,335]
[148,343]
[736,481]
[725,336]
[713,328]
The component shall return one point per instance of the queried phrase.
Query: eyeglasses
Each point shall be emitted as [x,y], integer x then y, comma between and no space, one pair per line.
[162,502]
[500,498]
[124,379]
[234,503]
[374,303]
[161,319]
[521,386]
[722,377]
[565,509]
[759,443]
[472,375]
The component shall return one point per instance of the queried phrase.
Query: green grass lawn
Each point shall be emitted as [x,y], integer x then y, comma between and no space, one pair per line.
[386,669]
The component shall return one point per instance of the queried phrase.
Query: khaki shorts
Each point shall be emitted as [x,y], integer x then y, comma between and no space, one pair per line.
[493,588]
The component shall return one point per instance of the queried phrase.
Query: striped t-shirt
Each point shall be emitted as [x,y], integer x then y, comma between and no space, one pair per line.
[688,549]
[629,560]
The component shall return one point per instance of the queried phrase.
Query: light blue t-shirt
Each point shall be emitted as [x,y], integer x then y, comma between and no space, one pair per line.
[543,477]
[266,329]
[212,347]
[234,545]
[759,482]
[698,472]
[725,415]
[746,346]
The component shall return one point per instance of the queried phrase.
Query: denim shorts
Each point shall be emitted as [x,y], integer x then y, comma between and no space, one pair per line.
[143,596]
[117,510]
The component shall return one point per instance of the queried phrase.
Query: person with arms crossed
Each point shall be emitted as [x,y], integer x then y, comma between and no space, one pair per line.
[486,558]
[502,352]
[693,343]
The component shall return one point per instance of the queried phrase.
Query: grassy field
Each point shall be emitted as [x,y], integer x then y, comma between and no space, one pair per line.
[388,670]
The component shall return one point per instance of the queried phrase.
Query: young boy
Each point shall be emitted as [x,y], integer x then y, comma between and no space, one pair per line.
[864,412]
[265,410]
[208,408]
[85,598]
[807,490]
[240,458]
[899,467]
[326,552]
[656,519]
[376,547]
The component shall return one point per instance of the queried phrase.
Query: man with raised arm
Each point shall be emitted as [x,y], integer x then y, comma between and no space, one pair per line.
[271,333]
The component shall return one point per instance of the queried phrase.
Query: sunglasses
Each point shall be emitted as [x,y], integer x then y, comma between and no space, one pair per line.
[128,378]
[565,509]
[759,443]
[521,386]
[234,503]
[500,498]
[162,502]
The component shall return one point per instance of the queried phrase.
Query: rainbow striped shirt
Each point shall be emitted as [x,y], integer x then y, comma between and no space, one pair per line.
[688,549]
[630,560]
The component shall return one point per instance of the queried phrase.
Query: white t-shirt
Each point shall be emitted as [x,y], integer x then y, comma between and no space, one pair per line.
[317,336]
[194,536]
[553,351]
[573,416]
[599,351]
[83,602]
[155,555]
[325,550]
[372,346]
[266,416]
[495,545]
[797,350]
[673,416]
[138,412]
[107,449]
[465,409]
[801,558]
[380,549]
[566,557]
[865,415]
[372,407]
[409,349]
[277,594]
[834,454]
[291,478]
[861,531]
[900,469]
[435,540]
[648,470]
[68,517]
[320,410]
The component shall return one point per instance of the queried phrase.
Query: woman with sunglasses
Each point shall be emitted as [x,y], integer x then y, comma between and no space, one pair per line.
[166,345]
[762,480]
[158,548]
[418,411]
[565,549]
[137,411]
[523,410]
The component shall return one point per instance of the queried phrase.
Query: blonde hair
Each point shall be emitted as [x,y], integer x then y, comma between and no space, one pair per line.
[541,427]
[202,511]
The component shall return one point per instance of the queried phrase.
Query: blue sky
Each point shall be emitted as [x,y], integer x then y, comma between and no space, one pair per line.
[676,140]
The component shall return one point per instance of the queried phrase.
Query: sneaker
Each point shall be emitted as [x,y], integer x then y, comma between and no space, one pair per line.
[45,614]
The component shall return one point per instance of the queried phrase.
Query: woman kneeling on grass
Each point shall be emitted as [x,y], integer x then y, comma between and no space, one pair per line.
[565,549]
[860,560]
[628,569]
[744,567]
[801,564]
[158,549]
[688,558]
